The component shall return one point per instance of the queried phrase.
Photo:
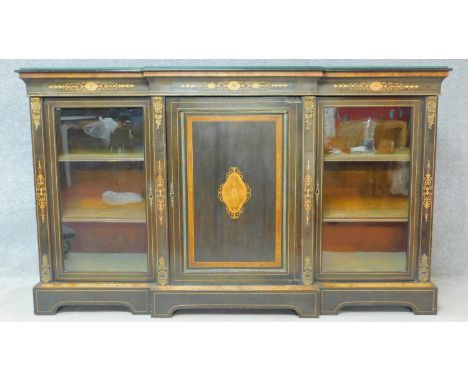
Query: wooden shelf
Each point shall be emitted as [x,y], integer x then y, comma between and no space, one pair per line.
[134,215]
[106,262]
[88,209]
[330,216]
[363,262]
[367,209]
[400,155]
[102,157]
[366,219]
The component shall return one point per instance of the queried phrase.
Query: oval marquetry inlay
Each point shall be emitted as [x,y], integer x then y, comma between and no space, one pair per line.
[234,192]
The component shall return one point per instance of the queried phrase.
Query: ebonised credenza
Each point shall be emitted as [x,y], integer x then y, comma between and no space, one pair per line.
[303,188]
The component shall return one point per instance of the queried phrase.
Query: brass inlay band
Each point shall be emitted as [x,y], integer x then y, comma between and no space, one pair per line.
[307,271]
[162,271]
[234,85]
[278,120]
[424,269]
[234,192]
[427,191]
[171,193]
[160,193]
[36,112]
[376,86]
[158,107]
[308,193]
[238,73]
[431,110]
[45,269]
[91,86]
[191,288]
[41,192]
[150,195]
[309,109]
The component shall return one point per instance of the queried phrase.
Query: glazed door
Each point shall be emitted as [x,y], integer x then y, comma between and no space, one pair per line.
[367,171]
[100,166]
[234,182]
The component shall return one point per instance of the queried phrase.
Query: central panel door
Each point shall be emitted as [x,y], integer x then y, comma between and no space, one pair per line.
[234,189]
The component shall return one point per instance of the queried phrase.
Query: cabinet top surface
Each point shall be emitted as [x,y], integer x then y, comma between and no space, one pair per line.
[316,71]
[234,68]
[234,80]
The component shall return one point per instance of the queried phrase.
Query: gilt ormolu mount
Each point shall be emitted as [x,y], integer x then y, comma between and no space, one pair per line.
[160,189]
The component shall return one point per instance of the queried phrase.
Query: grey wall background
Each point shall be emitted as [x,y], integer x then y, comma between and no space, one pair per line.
[18,246]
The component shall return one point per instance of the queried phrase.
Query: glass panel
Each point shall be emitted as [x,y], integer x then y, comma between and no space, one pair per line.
[104,247]
[367,133]
[92,133]
[102,191]
[366,188]
[364,247]
[101,175]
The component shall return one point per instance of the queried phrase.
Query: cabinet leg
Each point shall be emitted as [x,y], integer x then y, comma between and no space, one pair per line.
[50,297]
[301,299]
[421,298]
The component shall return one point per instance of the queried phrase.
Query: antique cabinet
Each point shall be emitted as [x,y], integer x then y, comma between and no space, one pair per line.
[303,188]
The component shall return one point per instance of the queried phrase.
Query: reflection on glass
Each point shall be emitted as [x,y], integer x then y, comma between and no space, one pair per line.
[95,132]
[361,132]
[364,247]
[102,189]
[366,190]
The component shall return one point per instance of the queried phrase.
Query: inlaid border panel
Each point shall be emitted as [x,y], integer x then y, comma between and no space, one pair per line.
[160,186]
[41,184]
[278,120]
[427,188]
[289,270]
